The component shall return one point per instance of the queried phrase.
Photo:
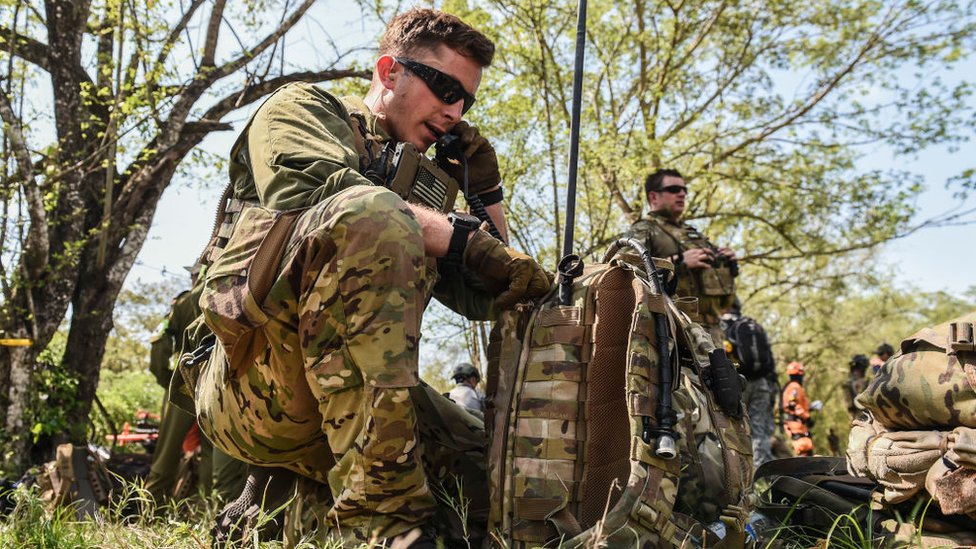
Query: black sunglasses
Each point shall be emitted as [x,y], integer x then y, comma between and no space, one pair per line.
[674,189]
[444,86]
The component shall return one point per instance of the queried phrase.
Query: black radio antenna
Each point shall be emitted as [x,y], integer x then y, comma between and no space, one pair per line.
[574,130]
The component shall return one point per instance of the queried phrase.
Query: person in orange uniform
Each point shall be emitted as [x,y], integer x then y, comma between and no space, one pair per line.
[796,405]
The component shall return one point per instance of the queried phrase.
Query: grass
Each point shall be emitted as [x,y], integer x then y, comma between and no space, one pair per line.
[34,524]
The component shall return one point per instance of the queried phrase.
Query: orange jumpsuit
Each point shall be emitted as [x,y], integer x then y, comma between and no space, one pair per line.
[797,408]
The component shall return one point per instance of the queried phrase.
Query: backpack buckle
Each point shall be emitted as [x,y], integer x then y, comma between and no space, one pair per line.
[961,336]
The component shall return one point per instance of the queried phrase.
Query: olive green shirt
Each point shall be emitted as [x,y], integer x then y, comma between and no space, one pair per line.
[170,337]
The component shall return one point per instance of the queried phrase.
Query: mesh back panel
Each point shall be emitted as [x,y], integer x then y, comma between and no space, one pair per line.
[607,421]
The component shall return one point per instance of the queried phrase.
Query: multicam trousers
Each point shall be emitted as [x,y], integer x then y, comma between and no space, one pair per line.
[329,392]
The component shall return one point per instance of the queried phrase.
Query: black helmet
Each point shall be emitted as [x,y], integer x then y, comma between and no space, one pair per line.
[463,371]
[885,349]
[860,362]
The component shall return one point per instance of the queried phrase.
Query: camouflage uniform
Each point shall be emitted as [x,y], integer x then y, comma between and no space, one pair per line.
[216,469]
[715,288]
[329,389]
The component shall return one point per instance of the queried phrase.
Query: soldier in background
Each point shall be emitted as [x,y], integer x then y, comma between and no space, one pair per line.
[174,423]
[215,470]
[702,270]
[796,406]
[748,346]
[882,354]
[856,382]
[466,392]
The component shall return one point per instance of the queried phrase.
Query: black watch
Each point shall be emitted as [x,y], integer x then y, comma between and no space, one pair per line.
[463,225]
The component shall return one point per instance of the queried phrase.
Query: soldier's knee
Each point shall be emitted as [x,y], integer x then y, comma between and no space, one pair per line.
[382,216]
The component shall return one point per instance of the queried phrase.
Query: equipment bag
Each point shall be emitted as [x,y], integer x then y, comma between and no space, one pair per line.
[751,348]
[929,383]
[575,418]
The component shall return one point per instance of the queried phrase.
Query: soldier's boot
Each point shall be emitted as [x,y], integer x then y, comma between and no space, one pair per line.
[259,506]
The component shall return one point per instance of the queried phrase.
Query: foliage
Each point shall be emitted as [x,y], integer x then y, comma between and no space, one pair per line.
[124,394]
[770,111]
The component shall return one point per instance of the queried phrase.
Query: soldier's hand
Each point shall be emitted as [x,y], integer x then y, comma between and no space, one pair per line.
[697,258]
[483,174]
[728,252]
[511,276]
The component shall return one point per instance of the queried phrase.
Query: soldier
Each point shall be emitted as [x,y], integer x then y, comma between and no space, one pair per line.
[466,392]
[856,382]
[796,405]
[326,384]
[881,355]
[703,270]
[174,423]
[748,345]
[215,469]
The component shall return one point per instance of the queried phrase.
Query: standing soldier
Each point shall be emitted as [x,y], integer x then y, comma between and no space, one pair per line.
[321,374]
[215,470]
[174,423]
[796,405]
[703,270]
[856,382]
[748,346]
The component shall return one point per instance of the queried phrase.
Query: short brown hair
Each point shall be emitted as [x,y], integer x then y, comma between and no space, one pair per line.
[425,29]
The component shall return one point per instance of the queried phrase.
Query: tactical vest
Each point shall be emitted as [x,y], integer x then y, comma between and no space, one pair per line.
[714,287]
[573,418]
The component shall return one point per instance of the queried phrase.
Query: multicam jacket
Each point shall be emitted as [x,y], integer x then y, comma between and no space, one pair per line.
[283,169]
[666,238]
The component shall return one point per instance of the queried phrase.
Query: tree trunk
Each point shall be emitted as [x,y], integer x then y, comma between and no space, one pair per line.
[18,365]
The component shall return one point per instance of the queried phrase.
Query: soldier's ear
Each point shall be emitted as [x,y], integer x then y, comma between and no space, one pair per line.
[388,71]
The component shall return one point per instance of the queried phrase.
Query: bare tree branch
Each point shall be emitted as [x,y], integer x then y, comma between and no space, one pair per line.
[213,32]
[35,255]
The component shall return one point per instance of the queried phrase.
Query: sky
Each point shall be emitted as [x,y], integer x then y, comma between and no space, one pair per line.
[930,259]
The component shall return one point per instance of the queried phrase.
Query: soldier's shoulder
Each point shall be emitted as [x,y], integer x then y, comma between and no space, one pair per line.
[301,97]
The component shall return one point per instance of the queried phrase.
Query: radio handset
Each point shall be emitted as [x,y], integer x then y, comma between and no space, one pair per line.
[449,146]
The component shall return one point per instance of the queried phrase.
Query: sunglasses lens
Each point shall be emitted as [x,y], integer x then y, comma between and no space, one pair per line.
[446,89]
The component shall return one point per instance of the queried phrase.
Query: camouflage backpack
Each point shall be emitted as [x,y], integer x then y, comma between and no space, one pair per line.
[575,415]
[915,434]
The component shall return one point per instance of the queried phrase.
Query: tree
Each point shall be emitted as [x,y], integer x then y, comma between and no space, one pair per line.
[98,117]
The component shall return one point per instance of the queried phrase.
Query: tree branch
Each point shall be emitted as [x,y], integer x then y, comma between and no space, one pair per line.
[213,32]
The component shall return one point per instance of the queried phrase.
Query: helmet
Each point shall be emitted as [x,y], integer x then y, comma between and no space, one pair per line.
[860,362]
[794,369]
[885,349]
[464,370]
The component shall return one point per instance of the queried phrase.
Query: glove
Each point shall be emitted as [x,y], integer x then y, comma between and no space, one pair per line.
[511,276]
[483,172]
